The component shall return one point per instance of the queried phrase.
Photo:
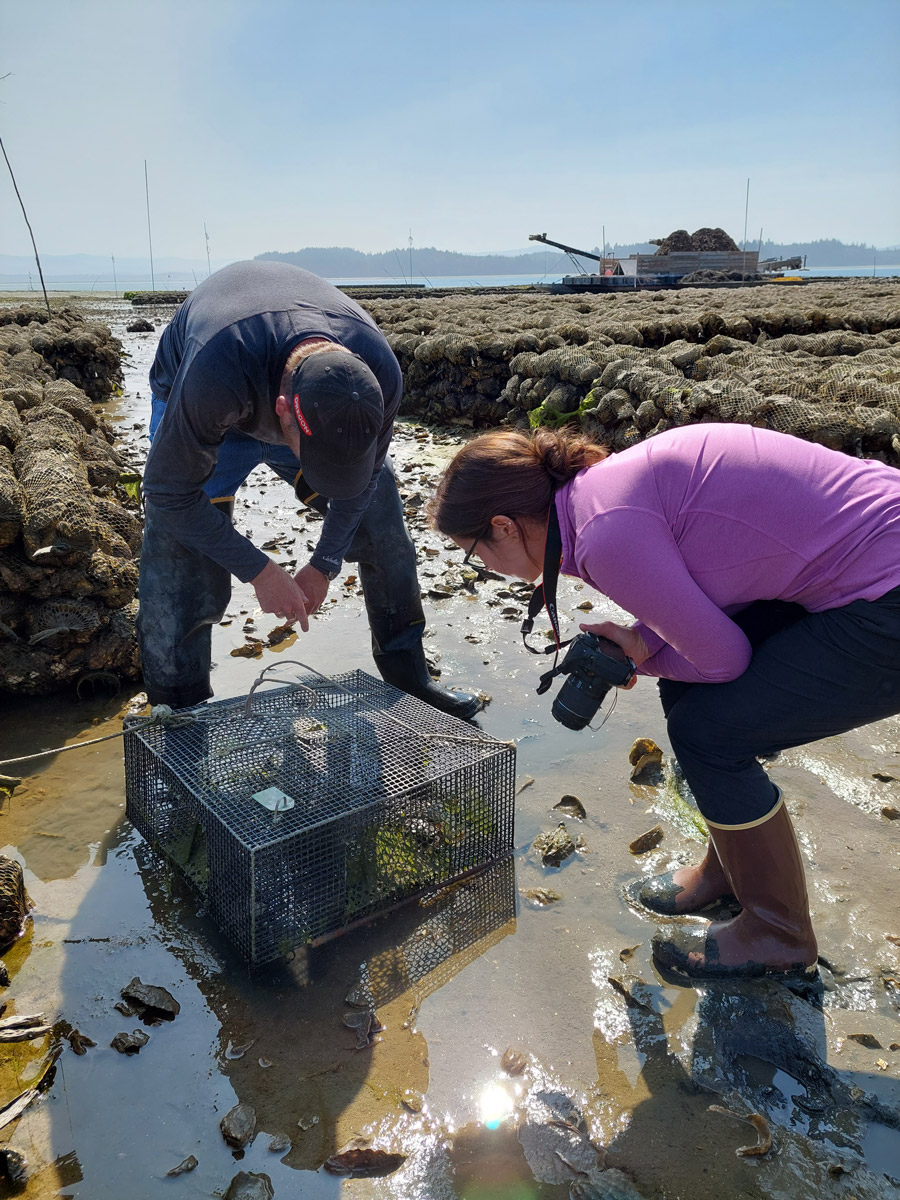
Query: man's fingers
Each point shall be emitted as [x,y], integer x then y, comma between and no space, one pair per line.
[303,614]
[280,595]
[295,608]
[297,616]
[298,613]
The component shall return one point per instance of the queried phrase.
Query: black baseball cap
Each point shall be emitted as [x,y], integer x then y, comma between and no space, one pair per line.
[339,408]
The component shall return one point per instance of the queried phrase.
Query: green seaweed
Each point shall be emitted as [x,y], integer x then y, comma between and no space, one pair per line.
[130,483]
[676,803]
[417,850]
[589,402]
[188,851]
[405,863]
[387,862]
[549,418]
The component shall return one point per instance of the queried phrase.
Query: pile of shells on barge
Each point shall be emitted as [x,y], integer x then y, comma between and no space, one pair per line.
[821,361]
[70,528]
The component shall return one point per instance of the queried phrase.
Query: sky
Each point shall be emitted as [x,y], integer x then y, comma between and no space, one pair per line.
[466,124]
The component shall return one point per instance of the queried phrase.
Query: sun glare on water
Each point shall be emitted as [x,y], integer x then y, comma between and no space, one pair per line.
[496,1105]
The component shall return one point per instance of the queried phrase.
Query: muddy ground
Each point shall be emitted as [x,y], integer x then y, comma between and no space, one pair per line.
[621,1065]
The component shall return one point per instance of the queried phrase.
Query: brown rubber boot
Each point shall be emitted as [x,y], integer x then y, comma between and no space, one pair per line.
[689,889]
[773,934]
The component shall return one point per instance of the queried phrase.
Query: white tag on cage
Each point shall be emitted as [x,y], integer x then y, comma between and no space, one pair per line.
[274,799]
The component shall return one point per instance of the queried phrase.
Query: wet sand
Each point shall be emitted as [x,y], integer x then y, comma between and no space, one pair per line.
[457,981]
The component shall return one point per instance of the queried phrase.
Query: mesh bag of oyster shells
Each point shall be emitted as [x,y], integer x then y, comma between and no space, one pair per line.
[58,462]
[68,348]
[68,538]
[92,647]
[846,410]
[476,359]
[12,500]
[301,811]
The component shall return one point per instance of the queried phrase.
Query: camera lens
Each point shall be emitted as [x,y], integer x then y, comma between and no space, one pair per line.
[576,706]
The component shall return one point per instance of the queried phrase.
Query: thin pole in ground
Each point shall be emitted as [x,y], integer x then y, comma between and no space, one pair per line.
[28,223]
[149,234]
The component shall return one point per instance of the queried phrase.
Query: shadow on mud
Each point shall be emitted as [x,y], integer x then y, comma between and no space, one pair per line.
[753,1048]
[52,815]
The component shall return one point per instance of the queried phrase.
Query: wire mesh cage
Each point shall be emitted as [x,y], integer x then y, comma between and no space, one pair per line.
[299,811]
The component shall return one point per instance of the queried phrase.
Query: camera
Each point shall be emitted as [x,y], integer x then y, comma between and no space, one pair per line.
[594,665]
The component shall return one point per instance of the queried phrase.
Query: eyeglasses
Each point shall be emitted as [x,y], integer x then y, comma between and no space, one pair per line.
[480,571]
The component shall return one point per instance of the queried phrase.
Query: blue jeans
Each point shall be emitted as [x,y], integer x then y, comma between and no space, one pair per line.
[238,456]
[183,594]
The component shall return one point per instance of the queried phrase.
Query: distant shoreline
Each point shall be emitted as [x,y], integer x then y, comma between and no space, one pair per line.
[56,287]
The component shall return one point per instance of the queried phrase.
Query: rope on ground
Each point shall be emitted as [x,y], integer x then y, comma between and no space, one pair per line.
[162,714]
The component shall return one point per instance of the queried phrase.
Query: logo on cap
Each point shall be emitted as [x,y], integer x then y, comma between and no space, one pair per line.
[301,420]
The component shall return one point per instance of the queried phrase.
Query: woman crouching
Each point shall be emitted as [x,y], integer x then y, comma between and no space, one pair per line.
[764,575]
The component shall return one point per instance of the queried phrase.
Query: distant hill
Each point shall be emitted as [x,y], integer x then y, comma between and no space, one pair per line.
[342,262]
[90,272]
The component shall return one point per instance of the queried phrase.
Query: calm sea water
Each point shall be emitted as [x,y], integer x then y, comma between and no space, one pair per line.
[103,283]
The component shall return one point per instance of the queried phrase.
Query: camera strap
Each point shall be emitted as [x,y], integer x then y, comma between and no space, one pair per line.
[544,595]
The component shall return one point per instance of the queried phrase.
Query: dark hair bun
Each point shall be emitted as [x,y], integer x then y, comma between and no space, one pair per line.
[563,454]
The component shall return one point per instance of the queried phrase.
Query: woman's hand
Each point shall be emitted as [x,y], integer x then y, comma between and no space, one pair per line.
[278,593]
[626,638]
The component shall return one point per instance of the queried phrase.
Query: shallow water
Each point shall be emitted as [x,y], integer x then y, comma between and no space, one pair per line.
[458,981]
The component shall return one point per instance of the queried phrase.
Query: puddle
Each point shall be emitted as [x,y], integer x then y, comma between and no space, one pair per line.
[881,1150]
[456,983]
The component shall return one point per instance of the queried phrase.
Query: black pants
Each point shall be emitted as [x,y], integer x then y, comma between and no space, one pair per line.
[812,675]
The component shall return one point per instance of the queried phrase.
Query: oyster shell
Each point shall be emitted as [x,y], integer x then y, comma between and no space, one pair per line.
[555,846]
[239,1126]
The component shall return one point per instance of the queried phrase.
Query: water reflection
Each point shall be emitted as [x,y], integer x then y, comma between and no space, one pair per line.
[495,1104]
[302,1070]
[456,925]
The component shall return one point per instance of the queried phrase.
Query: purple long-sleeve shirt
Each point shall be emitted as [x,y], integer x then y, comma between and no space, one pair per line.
[699,522]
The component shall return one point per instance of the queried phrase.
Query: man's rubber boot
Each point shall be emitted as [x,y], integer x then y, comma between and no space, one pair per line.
[689,889]
[773,934]
[182,594]
[400,658]
[408,671]
[386,558]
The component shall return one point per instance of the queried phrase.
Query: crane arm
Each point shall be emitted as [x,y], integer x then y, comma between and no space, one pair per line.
[542,237]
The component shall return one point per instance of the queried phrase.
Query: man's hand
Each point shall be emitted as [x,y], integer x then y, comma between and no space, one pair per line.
[279,594]
[626,638]
[314,586]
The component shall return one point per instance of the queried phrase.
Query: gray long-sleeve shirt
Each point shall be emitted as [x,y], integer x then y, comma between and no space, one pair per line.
[219,366]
